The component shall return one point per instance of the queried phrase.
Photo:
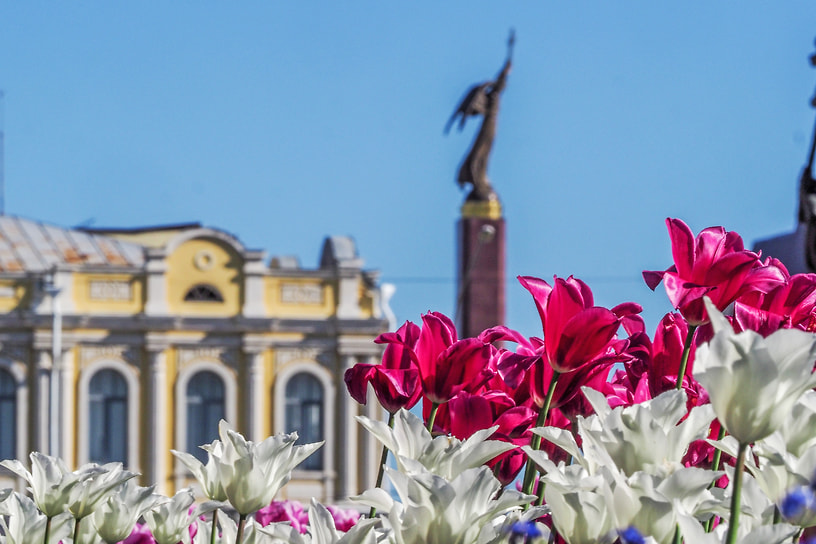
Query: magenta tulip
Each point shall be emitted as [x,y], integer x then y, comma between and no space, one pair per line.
[791,305]
[448,365]
[396,381]
[714,264]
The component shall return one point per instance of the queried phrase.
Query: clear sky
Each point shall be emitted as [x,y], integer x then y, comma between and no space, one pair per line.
[284,122]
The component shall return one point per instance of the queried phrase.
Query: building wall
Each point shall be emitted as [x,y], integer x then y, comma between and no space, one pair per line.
[292,326]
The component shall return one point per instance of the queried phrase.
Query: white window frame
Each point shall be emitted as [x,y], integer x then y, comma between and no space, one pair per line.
[131,376]
[314,369]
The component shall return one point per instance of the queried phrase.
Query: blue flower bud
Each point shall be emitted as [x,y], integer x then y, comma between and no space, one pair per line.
[527,529]
[796,502]
[631,535]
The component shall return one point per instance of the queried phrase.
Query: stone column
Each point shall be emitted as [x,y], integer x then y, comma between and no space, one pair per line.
[349,458]
[67,416]
[42,397]
[254,380]
[157,458]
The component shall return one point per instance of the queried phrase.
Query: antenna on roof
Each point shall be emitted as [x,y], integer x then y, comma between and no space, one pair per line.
[2,161]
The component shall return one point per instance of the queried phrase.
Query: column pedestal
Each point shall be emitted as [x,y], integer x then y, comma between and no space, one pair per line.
[480,300]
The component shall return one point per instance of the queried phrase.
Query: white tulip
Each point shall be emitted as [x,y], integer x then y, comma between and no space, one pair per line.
[416,450]
[754,382]
[27,525]
[170,520]
[433,509]
[251,474]
[115,518]
[207,475]
[50,480]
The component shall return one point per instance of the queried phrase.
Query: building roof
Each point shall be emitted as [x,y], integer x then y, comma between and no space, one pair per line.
[32,246]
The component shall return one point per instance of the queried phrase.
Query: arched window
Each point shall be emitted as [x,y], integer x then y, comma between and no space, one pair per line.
[205,408]
[8,416]
[203,293]
[304,414]
[108,417]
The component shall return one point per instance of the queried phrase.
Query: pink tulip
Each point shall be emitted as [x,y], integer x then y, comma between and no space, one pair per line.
[277,511]
[140,535]
[396,381]
[714,264]
[791,305]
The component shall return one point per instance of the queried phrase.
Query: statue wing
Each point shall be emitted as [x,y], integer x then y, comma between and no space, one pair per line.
[474,103]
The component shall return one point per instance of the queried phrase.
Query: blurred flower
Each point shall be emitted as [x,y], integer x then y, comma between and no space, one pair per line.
[140,535]
[796,502]
[322,530]
[284,511]
[714,264]
[754,382]
[631,535]
[396,380]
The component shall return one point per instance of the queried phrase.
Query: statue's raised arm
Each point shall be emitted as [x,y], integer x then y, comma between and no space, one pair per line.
[481,99]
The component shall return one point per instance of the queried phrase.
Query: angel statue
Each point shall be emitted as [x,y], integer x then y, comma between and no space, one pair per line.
[481,99]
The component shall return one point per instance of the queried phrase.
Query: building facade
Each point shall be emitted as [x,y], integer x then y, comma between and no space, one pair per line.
[120,345]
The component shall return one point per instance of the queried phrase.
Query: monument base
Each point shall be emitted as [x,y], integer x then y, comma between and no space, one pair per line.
[480,269]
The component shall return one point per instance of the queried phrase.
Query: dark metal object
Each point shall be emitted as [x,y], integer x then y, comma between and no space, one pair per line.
[481,99]
[807,196]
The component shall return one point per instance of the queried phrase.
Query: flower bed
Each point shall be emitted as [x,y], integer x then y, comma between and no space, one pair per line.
[705,433]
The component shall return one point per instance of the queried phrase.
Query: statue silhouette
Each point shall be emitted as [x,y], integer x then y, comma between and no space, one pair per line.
[481,99]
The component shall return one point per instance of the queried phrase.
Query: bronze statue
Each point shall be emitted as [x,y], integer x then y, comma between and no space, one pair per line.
[482,99]
[807,196]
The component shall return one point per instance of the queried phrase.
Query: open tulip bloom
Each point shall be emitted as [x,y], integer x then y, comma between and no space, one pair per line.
[635,459]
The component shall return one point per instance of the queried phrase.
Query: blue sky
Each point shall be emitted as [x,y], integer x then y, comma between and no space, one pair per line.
[284,122]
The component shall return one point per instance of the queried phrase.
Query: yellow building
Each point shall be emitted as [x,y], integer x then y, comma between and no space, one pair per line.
[161,332]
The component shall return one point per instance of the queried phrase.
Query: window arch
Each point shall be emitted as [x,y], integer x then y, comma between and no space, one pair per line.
[108,417]
[203,293]
[304,414]
[8,415]
[205,399]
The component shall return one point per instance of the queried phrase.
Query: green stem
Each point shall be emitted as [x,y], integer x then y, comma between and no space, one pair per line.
[214,526]
[76,529]
[736,495]
[432,417]
[777,515]
[47,529]
[678,539]
[530,469]
[241,521]
[715,466]
[383,459]
[684,359]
